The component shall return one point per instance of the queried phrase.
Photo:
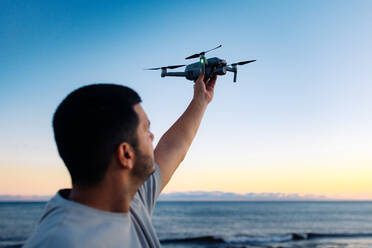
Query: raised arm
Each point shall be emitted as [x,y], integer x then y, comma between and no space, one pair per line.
[174,144]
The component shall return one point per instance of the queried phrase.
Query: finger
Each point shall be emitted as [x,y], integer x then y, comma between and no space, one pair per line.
[201,77]
[212,82]
[207,81]
[212,79]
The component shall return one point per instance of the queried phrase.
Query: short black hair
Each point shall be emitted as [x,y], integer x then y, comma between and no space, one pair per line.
[88,126]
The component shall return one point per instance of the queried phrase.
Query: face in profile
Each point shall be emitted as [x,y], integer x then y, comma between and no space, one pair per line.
[144,165]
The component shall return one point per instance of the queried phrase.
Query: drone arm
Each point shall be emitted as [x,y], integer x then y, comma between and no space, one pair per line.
[228,68]
[174,74]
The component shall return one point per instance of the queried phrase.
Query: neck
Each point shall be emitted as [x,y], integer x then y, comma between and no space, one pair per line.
[106,196]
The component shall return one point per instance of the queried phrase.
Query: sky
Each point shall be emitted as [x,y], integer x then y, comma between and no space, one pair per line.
[298,120]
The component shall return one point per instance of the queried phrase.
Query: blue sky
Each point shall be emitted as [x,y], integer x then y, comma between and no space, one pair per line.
[307,98]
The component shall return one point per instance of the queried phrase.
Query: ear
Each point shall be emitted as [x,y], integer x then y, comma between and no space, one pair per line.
[126,156]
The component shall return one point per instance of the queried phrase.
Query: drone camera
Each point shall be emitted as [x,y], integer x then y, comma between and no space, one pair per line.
[220,71]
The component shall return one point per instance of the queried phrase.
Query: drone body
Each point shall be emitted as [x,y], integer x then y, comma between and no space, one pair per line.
[213,66]
[209,67]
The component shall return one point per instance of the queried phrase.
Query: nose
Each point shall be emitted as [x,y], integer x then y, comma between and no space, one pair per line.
[151,136]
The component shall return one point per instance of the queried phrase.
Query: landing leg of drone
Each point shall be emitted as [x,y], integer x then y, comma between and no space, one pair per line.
[234,70]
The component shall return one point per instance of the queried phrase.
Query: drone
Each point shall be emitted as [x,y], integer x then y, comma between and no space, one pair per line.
[209,67]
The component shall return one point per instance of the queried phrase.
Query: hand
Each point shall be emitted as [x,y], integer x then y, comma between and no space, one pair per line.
[204,91]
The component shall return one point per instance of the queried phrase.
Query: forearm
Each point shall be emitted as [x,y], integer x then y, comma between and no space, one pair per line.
[174,144]
[181,134]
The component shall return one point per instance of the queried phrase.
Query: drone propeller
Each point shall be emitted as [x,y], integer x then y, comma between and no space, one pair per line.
[165,67]
[196,55]
[243,62]
[235,69]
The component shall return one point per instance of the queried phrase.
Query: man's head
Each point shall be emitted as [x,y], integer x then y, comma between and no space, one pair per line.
[97,123]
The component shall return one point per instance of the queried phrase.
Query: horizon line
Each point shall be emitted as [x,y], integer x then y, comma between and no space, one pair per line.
[215,196]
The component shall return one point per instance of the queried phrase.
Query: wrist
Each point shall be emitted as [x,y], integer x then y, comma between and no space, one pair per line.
[201,103]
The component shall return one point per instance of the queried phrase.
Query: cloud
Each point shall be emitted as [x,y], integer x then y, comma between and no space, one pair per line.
[25,198]
[208,196]
[228,196]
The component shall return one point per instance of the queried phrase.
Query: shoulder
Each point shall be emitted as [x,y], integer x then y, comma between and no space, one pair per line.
[65,224]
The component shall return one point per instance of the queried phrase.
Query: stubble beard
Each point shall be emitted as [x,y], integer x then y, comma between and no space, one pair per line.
[143,166]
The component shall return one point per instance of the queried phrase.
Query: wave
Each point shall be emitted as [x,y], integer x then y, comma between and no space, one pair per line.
[11,244]
[246,239]
[238,239]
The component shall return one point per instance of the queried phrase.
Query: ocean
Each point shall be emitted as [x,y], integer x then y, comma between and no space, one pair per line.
[230,224]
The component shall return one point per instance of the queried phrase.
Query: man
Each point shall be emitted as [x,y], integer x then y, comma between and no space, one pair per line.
[104,138]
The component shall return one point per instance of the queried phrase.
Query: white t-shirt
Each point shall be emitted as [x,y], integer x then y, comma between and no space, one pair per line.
[69,224]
